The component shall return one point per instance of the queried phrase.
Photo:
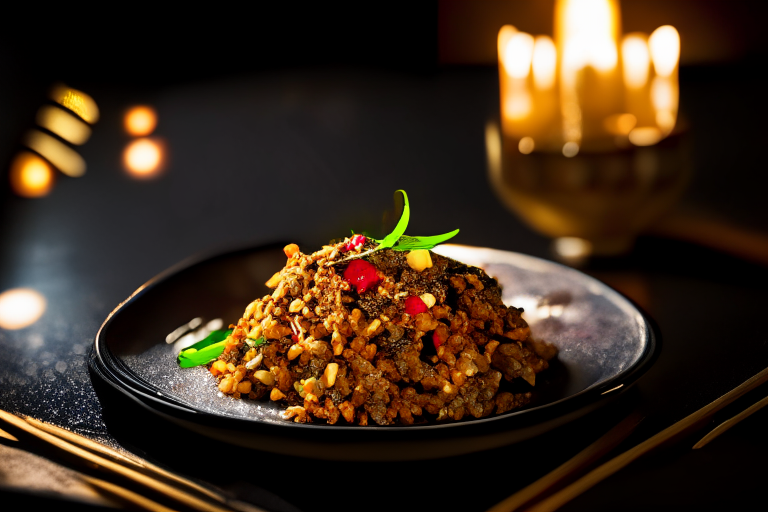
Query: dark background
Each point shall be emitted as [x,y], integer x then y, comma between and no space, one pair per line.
[299,121]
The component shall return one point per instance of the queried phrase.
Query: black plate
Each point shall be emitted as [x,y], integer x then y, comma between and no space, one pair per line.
[605,344]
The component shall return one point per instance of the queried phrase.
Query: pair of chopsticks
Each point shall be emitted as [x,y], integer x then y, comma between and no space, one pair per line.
[524,499]
[180,491]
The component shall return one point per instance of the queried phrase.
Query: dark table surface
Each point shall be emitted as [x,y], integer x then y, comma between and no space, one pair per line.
[307,154]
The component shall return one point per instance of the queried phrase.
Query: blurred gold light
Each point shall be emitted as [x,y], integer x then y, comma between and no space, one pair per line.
[544,62]
[60,155]
[570,149]
[664,44]
[140,121]
[20,307]
[63,124]
[518,55]
[76,101]
[526,145]
[143,158]
[620,124]
[30,175]
[637,60]
[573,249]
[645,136]
[518,106]
[587,31]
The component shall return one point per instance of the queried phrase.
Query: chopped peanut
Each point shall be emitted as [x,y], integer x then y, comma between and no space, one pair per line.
[290,250]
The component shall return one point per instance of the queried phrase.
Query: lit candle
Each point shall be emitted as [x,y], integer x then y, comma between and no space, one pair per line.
[586,34]
[583,90]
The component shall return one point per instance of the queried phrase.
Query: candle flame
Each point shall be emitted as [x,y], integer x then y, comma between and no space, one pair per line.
[664,44]
[518,55]
[544,62]
[637,60]
[587,32]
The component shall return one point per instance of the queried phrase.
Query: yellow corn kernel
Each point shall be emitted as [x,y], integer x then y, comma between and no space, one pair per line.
[419,259]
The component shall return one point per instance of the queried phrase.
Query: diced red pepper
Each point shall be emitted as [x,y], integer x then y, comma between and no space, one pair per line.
[414,305]
[436,340]
[362,275]
[355,242]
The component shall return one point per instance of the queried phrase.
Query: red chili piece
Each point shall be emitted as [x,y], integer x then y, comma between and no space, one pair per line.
[362,275]
[414,305]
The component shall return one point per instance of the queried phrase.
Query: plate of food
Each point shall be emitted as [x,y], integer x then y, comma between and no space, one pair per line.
[373,349]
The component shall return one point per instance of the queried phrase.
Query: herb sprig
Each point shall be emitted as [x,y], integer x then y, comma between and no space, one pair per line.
[208,349]
[397,240]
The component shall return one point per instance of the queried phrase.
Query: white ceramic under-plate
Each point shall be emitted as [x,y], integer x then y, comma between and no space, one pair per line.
[605,344]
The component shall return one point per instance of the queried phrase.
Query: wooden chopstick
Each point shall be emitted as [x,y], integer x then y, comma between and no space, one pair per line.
[125,495]
[721,428]
[605,470]
[6,435]
[175,493]
[578,463]
[116,456]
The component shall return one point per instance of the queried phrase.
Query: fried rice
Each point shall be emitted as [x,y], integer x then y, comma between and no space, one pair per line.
[388,338]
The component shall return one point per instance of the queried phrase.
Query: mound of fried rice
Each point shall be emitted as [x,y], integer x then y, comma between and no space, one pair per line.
[332,352]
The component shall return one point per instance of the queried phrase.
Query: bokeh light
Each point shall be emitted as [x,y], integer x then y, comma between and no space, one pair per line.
[143,158]
[20,307]
[526,145]
[76,101]
[63,124]
[570,149]
[30,175]
[620,124]
[64,158]
[645,136]
[140,121]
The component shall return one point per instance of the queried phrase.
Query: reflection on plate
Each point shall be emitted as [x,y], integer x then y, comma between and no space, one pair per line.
[605,344]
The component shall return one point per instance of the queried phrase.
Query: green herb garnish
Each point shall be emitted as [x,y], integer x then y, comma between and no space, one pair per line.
[205,350]
[398,241]
[208,349]
[411,243]
[391,239]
